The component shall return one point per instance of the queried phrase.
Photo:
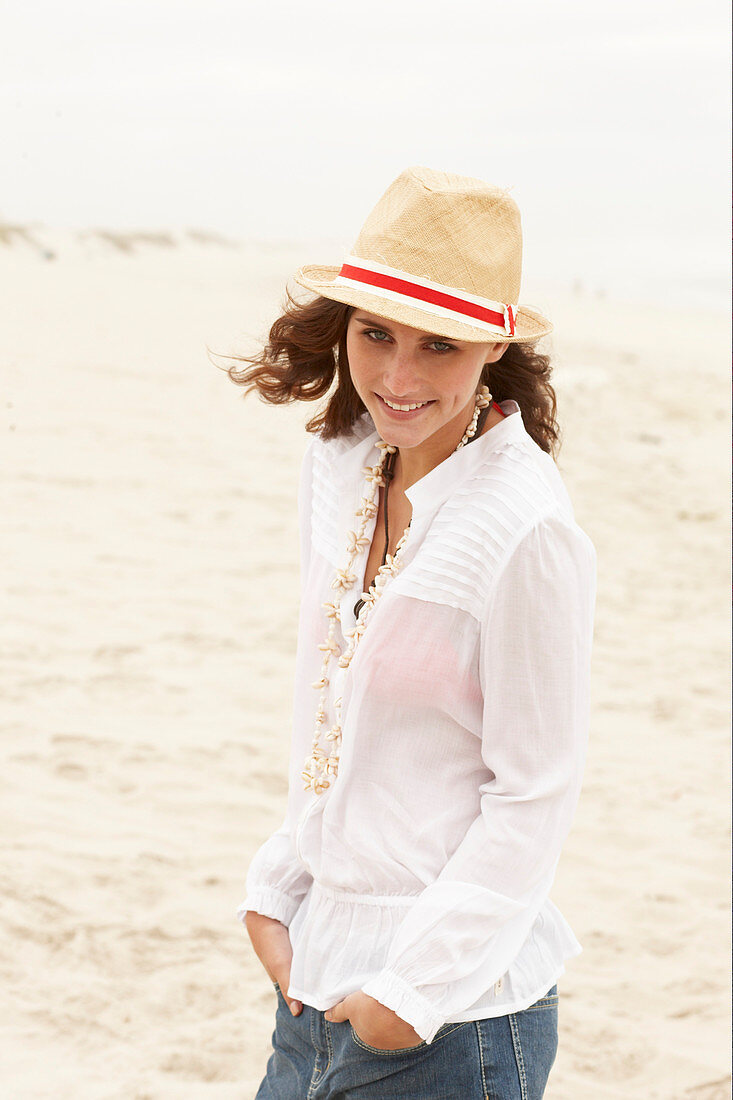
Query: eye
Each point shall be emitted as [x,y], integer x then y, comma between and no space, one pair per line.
[379,336]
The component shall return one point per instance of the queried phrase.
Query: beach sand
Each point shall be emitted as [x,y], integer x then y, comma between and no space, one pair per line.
[150,569]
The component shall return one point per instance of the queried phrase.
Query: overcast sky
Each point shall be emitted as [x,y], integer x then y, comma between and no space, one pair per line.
[287,121]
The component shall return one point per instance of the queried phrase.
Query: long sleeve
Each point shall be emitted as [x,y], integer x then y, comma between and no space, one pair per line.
[276,881]
[468,926]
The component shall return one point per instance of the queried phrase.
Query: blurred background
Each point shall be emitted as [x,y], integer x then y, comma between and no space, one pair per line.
[165,168]
[284,122]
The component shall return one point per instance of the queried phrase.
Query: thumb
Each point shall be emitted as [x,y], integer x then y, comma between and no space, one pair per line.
[338,1013]
[284,981]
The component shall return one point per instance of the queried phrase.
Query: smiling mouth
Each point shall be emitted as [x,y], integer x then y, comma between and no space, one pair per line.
[404,408]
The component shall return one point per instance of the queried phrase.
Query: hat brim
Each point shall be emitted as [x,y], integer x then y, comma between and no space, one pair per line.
[529,324]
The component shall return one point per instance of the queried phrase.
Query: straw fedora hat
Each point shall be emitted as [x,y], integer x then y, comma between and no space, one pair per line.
[441,253]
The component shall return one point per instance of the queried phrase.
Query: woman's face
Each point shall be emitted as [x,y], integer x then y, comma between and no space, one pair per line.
[419,388]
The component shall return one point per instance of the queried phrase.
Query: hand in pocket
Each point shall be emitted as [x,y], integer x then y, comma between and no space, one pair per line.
[374,1023]
[271,943]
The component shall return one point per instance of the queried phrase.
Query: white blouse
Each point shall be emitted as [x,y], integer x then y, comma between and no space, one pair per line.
[421,875]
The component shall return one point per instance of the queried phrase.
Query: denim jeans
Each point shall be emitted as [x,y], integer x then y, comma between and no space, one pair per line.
[499,1058]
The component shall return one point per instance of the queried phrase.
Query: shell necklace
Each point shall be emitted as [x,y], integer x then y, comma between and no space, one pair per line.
[318,767]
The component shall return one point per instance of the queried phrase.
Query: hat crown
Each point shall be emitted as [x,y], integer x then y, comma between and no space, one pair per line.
[454,230]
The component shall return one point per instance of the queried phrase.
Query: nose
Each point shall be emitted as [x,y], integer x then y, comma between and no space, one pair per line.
[401,376]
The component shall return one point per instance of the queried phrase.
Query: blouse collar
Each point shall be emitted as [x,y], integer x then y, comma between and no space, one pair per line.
[431,491]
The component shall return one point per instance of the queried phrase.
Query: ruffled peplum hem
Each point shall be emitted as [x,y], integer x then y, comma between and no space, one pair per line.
[341,940]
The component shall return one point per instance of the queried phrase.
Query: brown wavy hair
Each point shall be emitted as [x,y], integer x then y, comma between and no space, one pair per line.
[306,352]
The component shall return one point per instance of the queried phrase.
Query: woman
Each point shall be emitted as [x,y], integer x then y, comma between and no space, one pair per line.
[442,678]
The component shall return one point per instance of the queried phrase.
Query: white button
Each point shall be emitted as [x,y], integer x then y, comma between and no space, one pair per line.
[498,986]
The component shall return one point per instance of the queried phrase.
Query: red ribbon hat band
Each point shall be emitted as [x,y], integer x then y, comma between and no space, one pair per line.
[442,301]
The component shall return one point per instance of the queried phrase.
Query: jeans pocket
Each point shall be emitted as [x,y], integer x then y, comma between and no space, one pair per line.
[377,1050]
[441,1033]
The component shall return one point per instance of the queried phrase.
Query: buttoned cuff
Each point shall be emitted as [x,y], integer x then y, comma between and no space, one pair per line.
[270,903]
[393,992]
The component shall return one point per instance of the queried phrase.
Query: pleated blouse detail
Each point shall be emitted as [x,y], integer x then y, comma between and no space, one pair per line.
[422,875]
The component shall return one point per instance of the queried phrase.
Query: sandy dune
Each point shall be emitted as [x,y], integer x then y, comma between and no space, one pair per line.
[150,575]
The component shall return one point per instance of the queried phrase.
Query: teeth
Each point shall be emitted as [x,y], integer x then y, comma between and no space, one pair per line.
[404,408]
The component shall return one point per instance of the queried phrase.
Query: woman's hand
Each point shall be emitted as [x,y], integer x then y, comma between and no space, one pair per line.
[374,1023]
[271,942]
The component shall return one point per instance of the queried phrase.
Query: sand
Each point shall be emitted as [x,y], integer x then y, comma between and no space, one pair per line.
[150,576]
